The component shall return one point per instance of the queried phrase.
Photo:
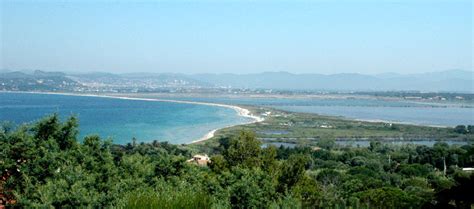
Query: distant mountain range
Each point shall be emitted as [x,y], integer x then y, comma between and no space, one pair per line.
[452,81]
[444,81]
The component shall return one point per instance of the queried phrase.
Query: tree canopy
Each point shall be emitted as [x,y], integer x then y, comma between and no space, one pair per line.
[46,165]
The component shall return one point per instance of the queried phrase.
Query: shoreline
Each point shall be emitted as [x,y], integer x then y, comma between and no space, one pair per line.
[242,112]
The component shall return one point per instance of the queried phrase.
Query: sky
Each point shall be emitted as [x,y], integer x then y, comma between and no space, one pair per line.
[369,37]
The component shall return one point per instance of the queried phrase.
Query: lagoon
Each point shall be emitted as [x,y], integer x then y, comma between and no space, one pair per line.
[432,116]
[368,109]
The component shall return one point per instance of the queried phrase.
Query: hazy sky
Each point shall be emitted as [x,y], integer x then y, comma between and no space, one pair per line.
[405,36]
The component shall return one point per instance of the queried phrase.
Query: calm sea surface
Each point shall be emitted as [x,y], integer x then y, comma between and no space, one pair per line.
[121,119]
[441,116]
[365,109]
[182,123]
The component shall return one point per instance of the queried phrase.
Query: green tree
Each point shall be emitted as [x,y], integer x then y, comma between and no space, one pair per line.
[251,189]
[292,171]
[268,158]
[329,176]
[385,197]
[218,164]
[470,129]
[461,129]
[308,191]
[168,166]
[244,150]
[326,143]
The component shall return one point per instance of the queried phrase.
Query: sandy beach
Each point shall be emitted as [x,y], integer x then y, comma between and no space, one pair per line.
[239,110]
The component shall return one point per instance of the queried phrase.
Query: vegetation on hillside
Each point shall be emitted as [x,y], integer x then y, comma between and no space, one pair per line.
[44,165]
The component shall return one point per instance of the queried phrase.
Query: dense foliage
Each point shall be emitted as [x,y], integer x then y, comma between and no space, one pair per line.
[44,165]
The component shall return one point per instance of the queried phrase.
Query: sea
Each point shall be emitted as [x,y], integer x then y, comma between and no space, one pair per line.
[179,123]
[121,120]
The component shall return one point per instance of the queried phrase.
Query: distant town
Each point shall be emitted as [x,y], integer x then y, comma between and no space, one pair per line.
[177,83]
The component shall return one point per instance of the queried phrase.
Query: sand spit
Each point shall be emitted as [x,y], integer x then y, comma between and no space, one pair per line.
[239,110]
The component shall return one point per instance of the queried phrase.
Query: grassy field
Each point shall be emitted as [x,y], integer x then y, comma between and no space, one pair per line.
[307,128]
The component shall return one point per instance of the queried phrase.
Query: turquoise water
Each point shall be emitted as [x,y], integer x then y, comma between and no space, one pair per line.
[182,123]
[119,119]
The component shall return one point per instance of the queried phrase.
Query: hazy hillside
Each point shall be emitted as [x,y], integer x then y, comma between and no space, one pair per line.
[37,81]
[454,80]
[444,81]
[138,80]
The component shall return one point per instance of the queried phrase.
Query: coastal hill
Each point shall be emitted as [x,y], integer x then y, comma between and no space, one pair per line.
[139,80]
[443,81]
[37,81]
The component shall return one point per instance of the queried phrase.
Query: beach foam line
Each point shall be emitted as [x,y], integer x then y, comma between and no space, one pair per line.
[239,110]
